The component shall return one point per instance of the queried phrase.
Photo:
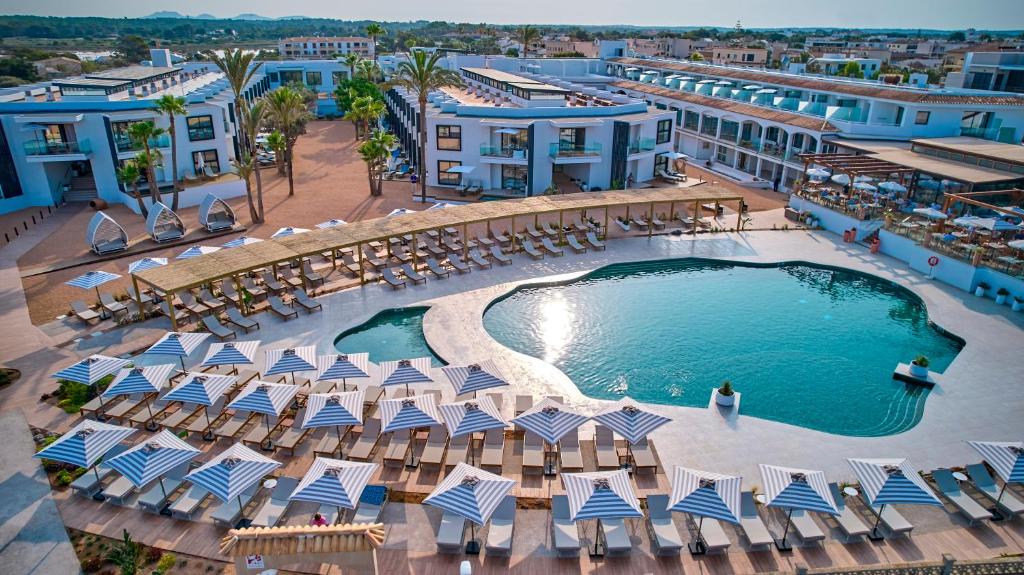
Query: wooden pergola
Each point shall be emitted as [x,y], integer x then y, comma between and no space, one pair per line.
[230,263]
[973,199]
[352,546]
[856,165]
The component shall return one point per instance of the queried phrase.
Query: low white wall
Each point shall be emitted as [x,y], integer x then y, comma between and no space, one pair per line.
[193,196]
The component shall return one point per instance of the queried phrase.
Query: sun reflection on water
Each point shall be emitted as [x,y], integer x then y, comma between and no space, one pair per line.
[555,326]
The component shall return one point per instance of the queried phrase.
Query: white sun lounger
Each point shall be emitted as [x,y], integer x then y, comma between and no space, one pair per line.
[397,449]
[616,537]
[1008,504]
[664,534]
[550,229]
[751,522]
[968,507]
[715,539]
[849,523]
[891,519]
[275,507]
[433,451]
[364,446]
[458,450]
[154,497]
[594,242]
[575,244]
[566,535]
[185,506]
[805,526]
[229,512]
[551,247]
[533,453]
[604,445]
[569,451]
[493,452]
[450,533]
[119,490]
[502,527]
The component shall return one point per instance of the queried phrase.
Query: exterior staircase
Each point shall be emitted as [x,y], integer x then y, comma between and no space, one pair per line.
[81,189]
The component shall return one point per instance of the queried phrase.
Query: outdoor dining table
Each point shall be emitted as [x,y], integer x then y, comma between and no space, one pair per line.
[1009,261]
[995,245]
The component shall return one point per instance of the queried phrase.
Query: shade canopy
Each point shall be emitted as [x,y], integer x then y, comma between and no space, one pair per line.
[472,415]
[629,420]
[152,458]
[474,377]
[470,492]
[818,173]
[1006,457]
[147,379]
[864,187]
[674,155]
[440,206]
[930,213]
[841,179]
[92,279]
[200,388]
[84,443]
[331,224]
[232,471]
[196,251]
[179,344]
[510,131]
[326,409]
[334,482]
[460,169]
[1016,244]
[601,495]
[405,371]
[241,241]
[408,413]
[887,481]
[342,366]
[289,231]
[146,264]
[264,397]
[794,488]
[891,186]
[232,353]
[400,212]
[705,494]
[550,420]
[91,369]
[290,360]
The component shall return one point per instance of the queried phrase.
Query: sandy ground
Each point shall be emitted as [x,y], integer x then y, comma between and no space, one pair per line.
[330,182]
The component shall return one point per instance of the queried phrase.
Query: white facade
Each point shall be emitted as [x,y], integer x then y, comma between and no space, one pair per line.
[320,47]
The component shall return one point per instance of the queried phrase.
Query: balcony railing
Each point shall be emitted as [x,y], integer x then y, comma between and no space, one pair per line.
[568,150]
[729,135]
[641,145]
[516,153]
[38,148]
[750,143]
[773,149]
[128,145]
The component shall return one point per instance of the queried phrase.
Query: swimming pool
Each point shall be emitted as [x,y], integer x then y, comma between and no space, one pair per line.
[389,335]
[806,345]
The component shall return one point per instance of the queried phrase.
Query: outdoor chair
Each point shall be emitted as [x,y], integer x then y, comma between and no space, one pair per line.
[456,262]
[290,278]
[1008,504]
[185,506]
[551,247]
[499,256]
[594,242]
[83,312]
[575,244]
[112,305]
[569,451]
[235,317]
[531,250]
[254,290]
[436,269]
[279,308]
[565,533]
[849,523]
[805,526]
[502,527]
[433,451]
[155,497]
[272,284]
[371,504]
[88,484]
[207,299]
[363,448]
[305,302]
[457,451]
[274,508]
[312,278]
[228,512]
[478,258]
[604,447]
[193,306]
[412,275]
[891,519]
[394,281]
[533,453]
[493,453]
[451,532]
[965,504]
[214,326]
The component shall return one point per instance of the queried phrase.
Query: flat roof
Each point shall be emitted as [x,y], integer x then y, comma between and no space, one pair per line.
[539,87]
[499,76]
[133,73]
[184,274]
[900,153]
[91,82]
[977,147]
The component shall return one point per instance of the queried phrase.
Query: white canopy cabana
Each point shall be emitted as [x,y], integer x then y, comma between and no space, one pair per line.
[104,235]
[164,225]
[215,214]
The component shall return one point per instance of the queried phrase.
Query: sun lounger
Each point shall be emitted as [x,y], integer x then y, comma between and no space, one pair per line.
[305,302]
[88,484]
[436,269]
[144,297]
[551,247]
[397,449]
[258,434]
[1008,504]
[458,449]
[121,410]
[206,298]
[965,504]
[329,444]
[329,513]
[272,283]
[478,258]
[534,232]
[594,242]
[565,533]
[523,404]
[371,395]
[412,275]
[456,262]
[891,519]
[185,506]
[550,229]
[96,406]
[254,290]
[214,326]
[640,222]
[351,264]
[371,503]
[715,539]
[290,278]
[450,533]
[273,509]
[364,446]
[119,490]
[805,526]
[751,523]
[616,537]
[452,245]
[235,317]
[658,224]
[604,446]
[569,451]
[502,238]
[153,413]
[575,244]
[849,523]
[493,452]
[112,305]
[433,451]
[499,256]
[393,280]
[190,303]
[312,278]
[155,497]
[643,457]
[216,415]
[533,453]
[233,426]
[228,512]
[502,528]
[83,312]
[664,534]
[371,257]
[531,250]
[227,287]
[279,308]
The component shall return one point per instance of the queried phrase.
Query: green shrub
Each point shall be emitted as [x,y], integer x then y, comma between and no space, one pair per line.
[64,478]
[165,564]
[726,388]
[921,361]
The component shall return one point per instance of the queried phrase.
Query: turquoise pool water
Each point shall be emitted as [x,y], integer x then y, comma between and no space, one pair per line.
[391,334]
[805,345]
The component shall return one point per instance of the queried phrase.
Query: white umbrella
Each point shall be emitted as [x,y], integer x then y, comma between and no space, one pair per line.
[195,251]
[1007,458]
[405,371]
[331,224]
[705,494]
[85,443]
[144,380]
[180,344]
[818,173]
[864,187]
[930,213]
[231,472]
[334,482]
[841,179]
[471,493]
[400,212]
[891,186]
[342,366]
[241,241]
[92,280]
[474,377]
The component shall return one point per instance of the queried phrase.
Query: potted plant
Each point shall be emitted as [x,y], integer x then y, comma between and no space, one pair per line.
[1018,303]
[726,396]
[919,367]
[1001,296]
[981,289]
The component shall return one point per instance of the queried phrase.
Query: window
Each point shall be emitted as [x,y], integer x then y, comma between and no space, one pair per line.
[291,77]
[709,127]
[273,77]
[314,78]
[975,120]
[664,131]
[200,128]
[443,177]
[339,77]
[122,137]
[691,121]
[449,138]
[513,177]
[205,160]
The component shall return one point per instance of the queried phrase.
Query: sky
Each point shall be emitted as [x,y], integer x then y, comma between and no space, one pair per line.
[936,14]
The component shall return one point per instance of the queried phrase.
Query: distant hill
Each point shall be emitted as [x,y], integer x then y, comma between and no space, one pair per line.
[250,16]
[205,16]
[165,14]
[294,18]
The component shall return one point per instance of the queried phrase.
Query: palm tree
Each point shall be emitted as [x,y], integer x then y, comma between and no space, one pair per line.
[289,113]
[421,75]
[245,170]
[526,35]
[374,31]
[142,133]
[254,118]
[364,111]
[368,70]
[130,174]
[172,106]
[350,60]
[375,151]
[237,67]
[275,141]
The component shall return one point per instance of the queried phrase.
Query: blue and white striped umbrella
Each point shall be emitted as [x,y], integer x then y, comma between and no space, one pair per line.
[472,415]
[550,420]
[232,353]
[138,379]
[146,264]
[152,458]
[290,360]
[264,397]
[888,481]
[475,377]
[629,420]
[793,488]
[285,232]
[84,443]
[470,492]
[342,366]
[90,280]
[331,224]
[200,388]
[339,408]
[1006,457]
[334,482]
[409,413]
[705,494]
[196,251]
[180,344]
[232,471]
[601,495]
[91,369]
[241,241]
[405,371]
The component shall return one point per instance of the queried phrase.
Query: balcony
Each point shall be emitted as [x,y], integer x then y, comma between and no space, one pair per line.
[641,145]
[40,149]
[773,149]
[129,145]
[502,155]
[751,143]
[729,135]
[568,153]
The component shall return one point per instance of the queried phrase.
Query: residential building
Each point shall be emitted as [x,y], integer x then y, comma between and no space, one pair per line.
[999,71]
[739,56]
[322,47]
[833,64]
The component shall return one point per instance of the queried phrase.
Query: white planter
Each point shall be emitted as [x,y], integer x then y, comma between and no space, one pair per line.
[1000,299]
[725,400]
[625,227]
[979,291]
[1017,305]
[918,371]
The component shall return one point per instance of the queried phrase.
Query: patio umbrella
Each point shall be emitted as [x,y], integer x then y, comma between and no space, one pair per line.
[289,231]
[181,344]
[266,398]
[85,443]
[400,212]
[967,222]
[231,353]
[891,186]
[440,206]
[930,213]
[864,187]
[818,173]
[408,413]
[674,156]
[471,416]
[405,371]
[337,409]
[889,481]
[146,264]
[290,360]
[91,369]
[863,179]
[841,179]
[791,488]
[550,420]
[146,380]
[92,280]
[705,494]
[153,458]
[342,366]
[231,472]
[201,389]
[474,377]
[334,482]
[241,241]
[629,420]
[195,251]
[331,224]
[472,493]
[1007,458]
[1016,244]
[601,495]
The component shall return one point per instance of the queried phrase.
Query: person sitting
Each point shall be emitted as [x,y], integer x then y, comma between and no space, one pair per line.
[318,520]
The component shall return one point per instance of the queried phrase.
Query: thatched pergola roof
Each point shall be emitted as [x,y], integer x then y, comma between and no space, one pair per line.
[296,540]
